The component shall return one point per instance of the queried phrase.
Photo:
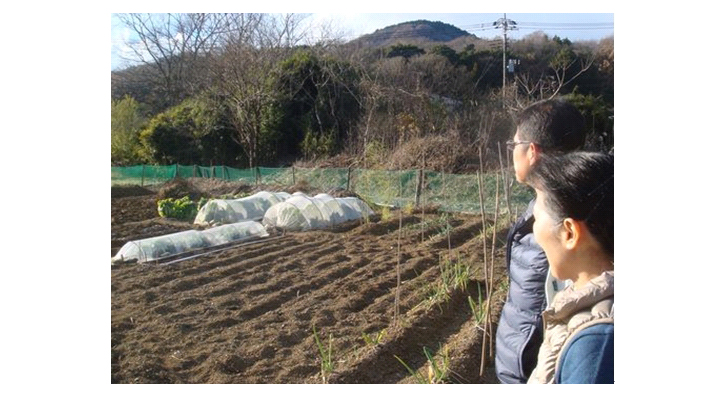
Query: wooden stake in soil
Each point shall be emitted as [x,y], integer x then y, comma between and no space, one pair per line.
[418,187]
[397,289]
[488,284]
[348,180]
[481,191]
[445,201]
[422,217]
[488,319]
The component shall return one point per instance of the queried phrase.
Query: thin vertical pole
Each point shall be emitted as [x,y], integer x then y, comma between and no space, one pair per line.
[424,199]
[418,187]
[505,177]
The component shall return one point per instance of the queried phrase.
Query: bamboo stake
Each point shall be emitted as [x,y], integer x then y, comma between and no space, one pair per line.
[422,217]
[488,285]
[448,219]
[504,178]
[488,320]
[397,289]
[481,191]
[348,180]
[418,187]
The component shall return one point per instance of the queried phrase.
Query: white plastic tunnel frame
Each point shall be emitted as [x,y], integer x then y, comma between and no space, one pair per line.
[160,247]
[228,211]
[300,212]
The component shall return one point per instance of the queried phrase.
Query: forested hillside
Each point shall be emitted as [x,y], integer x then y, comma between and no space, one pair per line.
[240,90]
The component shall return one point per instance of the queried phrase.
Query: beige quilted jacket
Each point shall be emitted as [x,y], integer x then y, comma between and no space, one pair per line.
[570,312]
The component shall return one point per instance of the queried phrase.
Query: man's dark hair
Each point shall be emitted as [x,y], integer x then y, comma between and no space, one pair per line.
[579,185]
[555,125]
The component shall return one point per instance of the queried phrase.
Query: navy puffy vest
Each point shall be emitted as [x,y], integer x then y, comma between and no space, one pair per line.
[519,332]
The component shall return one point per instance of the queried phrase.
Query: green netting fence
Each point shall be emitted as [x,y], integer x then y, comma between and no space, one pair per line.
[451,192]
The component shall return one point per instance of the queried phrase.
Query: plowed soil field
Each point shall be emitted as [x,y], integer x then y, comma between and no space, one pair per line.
[247,314]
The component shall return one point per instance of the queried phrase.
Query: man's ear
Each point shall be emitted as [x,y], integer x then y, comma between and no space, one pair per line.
[570,233]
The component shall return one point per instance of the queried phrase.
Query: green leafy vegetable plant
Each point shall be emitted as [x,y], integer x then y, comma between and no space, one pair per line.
[182,209]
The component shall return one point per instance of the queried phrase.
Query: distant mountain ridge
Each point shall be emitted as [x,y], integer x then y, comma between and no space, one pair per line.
[413,32]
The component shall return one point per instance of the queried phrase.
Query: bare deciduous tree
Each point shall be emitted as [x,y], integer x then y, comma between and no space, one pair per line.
[547,86]
[251,52]
[174,44]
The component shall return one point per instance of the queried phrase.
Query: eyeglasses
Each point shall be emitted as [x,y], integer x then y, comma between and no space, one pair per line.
[511,145]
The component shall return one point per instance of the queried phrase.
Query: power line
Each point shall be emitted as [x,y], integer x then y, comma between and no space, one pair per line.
[567,23]
[523,27]
[567,29]
[486,26]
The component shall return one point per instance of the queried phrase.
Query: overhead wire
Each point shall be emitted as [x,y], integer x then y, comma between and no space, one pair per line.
[566,23]
[485,26]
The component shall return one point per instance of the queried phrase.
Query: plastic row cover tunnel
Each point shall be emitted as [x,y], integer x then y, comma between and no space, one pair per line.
[159,247]
[301,212]
[219,211]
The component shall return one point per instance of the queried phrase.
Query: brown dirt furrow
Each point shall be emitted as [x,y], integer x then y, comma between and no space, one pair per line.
[277,294]
[427,329]
[428,230]
[311,316]
[133,208]
[223,264]
[246,314]
[462,350]
[383,228]
[264,282]
[460,232]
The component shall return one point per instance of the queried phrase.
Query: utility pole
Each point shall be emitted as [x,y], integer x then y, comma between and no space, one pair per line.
[505,24]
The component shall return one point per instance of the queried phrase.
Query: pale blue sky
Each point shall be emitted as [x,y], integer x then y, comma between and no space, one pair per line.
[574,26]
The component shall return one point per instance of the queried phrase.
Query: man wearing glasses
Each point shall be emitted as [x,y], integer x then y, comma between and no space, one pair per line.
[545,127]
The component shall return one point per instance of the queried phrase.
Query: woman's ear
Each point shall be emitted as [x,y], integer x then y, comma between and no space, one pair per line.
[533,153]
[571,232]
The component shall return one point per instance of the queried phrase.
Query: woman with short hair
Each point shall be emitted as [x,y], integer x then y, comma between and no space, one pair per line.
[574,226]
